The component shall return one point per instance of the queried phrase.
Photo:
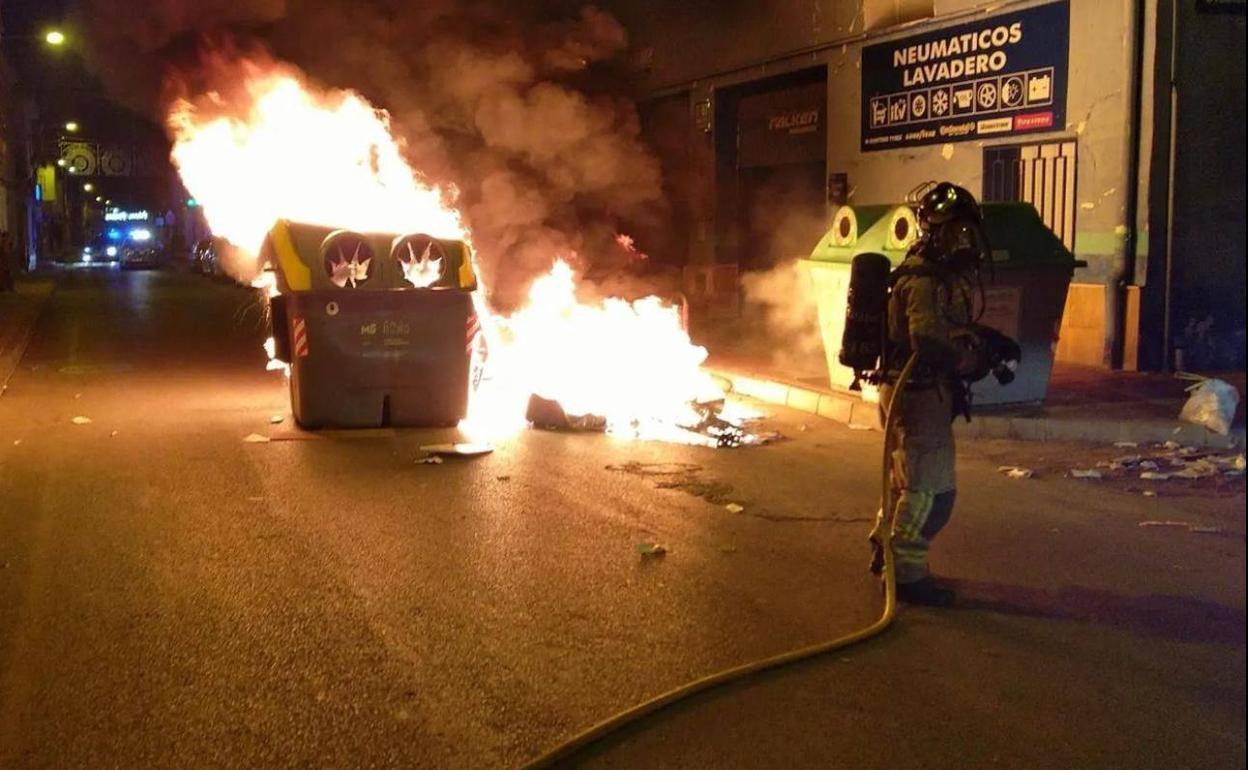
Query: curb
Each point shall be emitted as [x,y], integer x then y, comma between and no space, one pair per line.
[18,328]
[856,413]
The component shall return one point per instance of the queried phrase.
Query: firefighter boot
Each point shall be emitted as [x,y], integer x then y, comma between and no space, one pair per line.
[927,592]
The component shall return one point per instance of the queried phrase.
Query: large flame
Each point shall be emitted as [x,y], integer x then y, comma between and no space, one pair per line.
[329,158]
[294,153]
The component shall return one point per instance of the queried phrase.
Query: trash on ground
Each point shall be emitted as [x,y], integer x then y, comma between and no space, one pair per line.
[1126,444]
[430,460]
[1149,493]
[502,478]
[1212,404]
[651,549]
[1200,469]
[17,442]
[1173,444]
[1016,472]
[113,434]
[734,508]
[80,420]
[276,419]
[1085,473]
[548,414]
[1166,462]
[458,450]
[859,426]
[1193,528]
[255,438]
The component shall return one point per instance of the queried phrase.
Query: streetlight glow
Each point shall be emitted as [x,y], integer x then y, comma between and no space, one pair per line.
[55,37]
[88,187]
[60,162]
[72,126]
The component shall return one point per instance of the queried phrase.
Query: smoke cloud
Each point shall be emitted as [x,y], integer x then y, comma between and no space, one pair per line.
[522,111]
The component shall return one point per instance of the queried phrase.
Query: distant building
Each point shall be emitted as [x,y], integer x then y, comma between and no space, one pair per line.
[1122,122]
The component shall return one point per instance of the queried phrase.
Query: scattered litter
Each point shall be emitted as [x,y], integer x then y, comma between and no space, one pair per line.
[1015,472]
[458,450]
[255,438]
[1085,473]
[859,426]
[77,395]
[651,549]
[80,420]
[734,508]
[1193,528]
[758,439]
[1154,476]
[1149,493]
[802,427]
[276,419]
[17,442]
[1211,405]
[502,478]
[1149,465]
[548,414]
[1176,431]
[430,460]
[113,434]
[1173,444]
[1200,469]
[1126,444]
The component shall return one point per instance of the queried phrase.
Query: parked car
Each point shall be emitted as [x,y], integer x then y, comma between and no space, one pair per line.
[206,258]
[140,257]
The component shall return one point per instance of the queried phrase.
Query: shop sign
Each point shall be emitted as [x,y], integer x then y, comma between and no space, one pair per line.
[986,79]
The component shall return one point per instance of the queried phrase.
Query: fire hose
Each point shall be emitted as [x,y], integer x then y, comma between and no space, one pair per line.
[635,713]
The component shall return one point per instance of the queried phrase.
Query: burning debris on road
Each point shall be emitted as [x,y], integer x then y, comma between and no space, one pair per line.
[711,427]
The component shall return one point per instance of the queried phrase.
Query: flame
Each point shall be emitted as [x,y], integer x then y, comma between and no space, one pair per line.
[328,157]
[296,153]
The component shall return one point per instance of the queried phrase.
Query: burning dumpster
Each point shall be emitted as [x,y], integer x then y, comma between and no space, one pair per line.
[378,329]
[1025,285]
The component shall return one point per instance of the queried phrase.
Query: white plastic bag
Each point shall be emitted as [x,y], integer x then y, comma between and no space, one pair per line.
[1212,403]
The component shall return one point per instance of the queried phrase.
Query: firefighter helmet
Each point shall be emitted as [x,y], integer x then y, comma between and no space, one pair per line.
[946,202]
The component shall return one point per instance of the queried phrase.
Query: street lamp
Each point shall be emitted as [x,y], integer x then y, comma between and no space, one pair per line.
[88,187]
[72,126]
[60,162]
[55,38]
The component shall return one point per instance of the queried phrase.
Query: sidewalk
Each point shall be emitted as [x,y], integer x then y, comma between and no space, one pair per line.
[19,310]
[1083,404]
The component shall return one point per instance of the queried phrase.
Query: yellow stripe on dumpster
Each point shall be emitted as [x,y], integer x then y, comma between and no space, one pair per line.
[298,276]
[467,278]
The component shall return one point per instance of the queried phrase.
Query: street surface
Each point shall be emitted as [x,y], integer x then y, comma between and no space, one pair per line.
[173,597]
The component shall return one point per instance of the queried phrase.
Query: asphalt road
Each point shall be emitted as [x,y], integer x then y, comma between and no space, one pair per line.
[172,597]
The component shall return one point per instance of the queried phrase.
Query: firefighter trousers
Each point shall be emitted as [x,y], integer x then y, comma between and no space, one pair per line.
[922,477]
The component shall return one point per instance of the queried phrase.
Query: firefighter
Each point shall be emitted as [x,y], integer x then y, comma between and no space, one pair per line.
[931,311]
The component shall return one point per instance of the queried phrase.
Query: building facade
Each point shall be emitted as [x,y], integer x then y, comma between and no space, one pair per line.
[1122,122]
